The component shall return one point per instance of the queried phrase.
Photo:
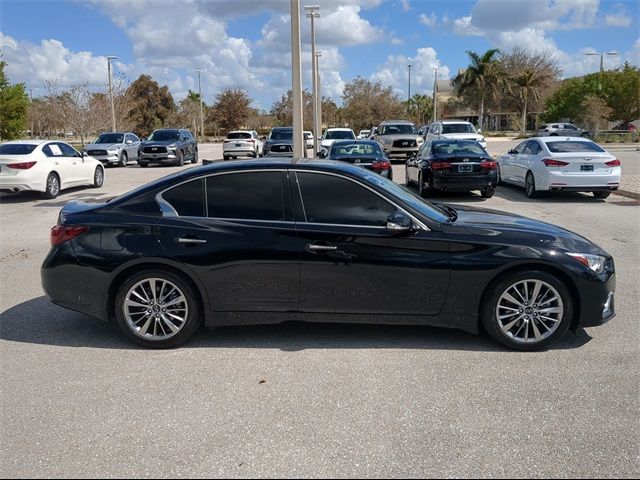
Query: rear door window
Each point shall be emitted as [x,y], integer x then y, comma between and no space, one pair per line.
[187,199]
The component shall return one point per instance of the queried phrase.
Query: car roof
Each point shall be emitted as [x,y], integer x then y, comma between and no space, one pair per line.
[397,121]
[29,142]
[342,129]
[454,121]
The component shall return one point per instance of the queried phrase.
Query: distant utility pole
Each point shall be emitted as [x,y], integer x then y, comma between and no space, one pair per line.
[296,81]
[409,90]
[113,108]
[313,12]
[435,95]
[201,114]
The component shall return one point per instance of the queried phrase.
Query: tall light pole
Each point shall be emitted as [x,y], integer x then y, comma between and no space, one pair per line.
[409,90]
[113,108]
[313,12]
[318,119]
[435,95]
[201,114]
[296,81]
[602,54]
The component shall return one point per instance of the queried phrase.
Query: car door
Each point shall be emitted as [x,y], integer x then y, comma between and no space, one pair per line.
[509,164]
[351,263]
[132,148]
[77,170]
[235,232]
[59,163]
[413,164]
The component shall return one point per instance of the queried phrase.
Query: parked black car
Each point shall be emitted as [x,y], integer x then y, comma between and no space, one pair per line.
[361,153]
[168,145]
[265,241]
[461,165]
[279,143]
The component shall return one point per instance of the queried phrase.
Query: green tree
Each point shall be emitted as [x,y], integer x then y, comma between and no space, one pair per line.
[14,107]
[151,106]
[480,79]
[231,110]
[421,108]
[366,104]
[621,90]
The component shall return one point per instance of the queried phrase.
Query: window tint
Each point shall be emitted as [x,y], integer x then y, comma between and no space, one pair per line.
[238,135]
[187,199]
[520,148]
[531,148]
[251,196]
[335,200]
[17,149]
[68,150]
[573,146]
[134,138]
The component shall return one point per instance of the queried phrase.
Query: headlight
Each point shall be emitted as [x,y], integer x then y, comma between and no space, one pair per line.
[173,145]
[594,262]
[386,141]
[420,141]
[112,152]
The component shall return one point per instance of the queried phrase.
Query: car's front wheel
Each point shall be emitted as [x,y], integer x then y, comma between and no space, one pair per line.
[601,194]
[530,185]
[124,159]
[179,158]
[527,310]
[195,158]
[157,309]
[98,177]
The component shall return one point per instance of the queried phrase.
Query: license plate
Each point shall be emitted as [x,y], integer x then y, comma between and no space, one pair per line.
[238,144]
[465,168]
[586,168]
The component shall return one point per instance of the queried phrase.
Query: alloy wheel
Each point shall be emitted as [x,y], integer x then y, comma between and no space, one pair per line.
[529,311]
[98,178]
[530,185]
[155,309]
[53,185]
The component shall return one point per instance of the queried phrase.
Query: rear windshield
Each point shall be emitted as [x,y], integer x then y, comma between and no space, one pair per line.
[161,135]
[458,128]
[401,129]
[356,149]
[17,149]
[110,138]
[569,146]
[458,148]
[339,134]
[281,135]
[234,135]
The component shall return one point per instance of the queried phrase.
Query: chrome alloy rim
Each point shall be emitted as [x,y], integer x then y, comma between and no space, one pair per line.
[53,185]
[98,177]
[529,311]
[529,184]
[155,309]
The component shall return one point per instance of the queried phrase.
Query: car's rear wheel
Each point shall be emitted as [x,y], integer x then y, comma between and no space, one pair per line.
[179,158]
[530,186]
[157,309]
[124,159]
[487,192]
[601,194]
[143,164]
[98,177]
[195,157]
[527,310]
[52,187]
[424,190]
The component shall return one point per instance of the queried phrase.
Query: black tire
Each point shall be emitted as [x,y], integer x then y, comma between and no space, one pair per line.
[143,164]
[423,190]
[498,176]
[179,158]
[98,177]
[601,194]
[124,158]
[195,157]
[489,306]
[190,325]
[488,192]
[226,157]
[52,187]
[530,186]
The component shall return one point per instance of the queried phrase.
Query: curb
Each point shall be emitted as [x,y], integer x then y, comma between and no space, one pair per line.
[628,194]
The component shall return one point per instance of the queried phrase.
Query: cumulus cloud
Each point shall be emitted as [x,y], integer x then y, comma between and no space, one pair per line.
[428,20]
[406,6]
[620,18]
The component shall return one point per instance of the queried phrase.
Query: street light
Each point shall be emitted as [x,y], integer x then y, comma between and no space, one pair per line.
[313,12]
[409,90]
[435,95]
[602,54]
[113,109]
[201,114]
[296,80]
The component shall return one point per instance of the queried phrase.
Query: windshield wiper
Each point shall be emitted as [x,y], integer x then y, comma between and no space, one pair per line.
[451,212]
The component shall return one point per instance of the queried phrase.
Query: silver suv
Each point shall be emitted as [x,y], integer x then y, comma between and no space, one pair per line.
[398,138]
[114,148]
[561,130]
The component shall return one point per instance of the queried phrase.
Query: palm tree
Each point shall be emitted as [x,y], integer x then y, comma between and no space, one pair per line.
[423,106]
[527,85]
[482,75]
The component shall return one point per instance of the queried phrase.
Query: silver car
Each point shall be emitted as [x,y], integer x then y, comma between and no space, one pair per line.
[561,130]
[398,138]
[114,148]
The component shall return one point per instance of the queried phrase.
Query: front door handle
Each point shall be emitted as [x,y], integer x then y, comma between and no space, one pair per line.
[190,241]
[320,248]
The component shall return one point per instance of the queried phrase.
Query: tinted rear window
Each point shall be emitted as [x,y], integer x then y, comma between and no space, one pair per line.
[187,199]
[458,148]
[568,146]
[17,149]
[235,135]
[340,135]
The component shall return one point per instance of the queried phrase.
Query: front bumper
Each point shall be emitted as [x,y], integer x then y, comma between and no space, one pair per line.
[157,157]
[399,152]
[597,304]
[107,158]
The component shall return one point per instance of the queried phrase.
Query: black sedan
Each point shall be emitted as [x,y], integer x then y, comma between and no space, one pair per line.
[361,153]
[461,165]
[270,241]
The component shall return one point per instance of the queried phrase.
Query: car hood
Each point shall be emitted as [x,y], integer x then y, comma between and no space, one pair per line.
[158,142]
[511,228]
[463,136]
[279,142]
[402,136]
[103,146]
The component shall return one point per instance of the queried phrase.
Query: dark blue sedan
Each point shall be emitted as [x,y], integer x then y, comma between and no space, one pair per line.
[361,153]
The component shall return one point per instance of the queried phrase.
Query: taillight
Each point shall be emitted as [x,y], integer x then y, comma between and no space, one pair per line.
[550,162]
[613,163]
[252,141]
[491,165]
[380,166]
[440,165]
[63,233]
[21,166]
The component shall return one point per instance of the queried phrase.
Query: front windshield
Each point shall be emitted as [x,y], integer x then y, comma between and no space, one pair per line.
[339,134]
[343,149]
[281,135]
[458,128]
[401,129]
[110,138]
[164,135]
[457,148]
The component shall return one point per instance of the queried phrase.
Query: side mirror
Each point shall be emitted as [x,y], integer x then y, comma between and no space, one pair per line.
[84,154]
[479,130]
[399,222]
[129,142]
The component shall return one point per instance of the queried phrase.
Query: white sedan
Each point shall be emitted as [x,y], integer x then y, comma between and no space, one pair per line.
[560,164]
[46,166]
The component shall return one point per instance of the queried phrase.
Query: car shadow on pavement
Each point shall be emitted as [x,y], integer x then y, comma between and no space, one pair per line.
[75,194]
[516,194]
[38,321]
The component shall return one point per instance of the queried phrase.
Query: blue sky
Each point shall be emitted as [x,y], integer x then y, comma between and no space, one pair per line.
[246,42]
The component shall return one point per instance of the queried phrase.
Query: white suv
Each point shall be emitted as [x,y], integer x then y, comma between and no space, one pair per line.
[455,129]
[333,134]
[241,143]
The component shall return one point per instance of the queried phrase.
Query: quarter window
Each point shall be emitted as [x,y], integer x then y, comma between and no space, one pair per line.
[247,196]
[187,199]
[335,200]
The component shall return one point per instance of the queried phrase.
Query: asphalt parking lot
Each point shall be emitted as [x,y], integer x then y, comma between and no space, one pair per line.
[79,400]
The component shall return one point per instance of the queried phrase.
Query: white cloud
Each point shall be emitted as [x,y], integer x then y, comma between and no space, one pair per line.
[406,6]
[428,20]
[620,18]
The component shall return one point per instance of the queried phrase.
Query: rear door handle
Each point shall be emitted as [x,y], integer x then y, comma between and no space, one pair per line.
[190,241]
[320,248]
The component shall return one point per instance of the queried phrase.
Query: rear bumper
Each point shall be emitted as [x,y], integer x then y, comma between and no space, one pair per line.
[465,183]
[578,182]
[400,152]
[239,151]
[17,184]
